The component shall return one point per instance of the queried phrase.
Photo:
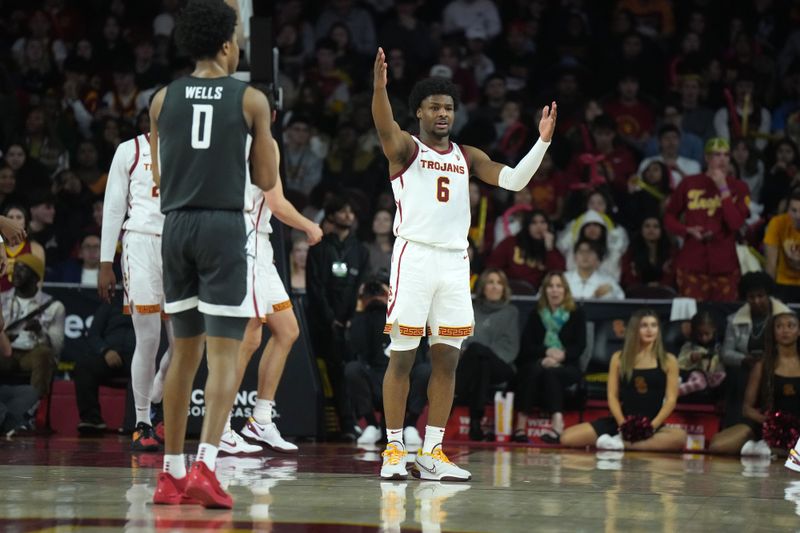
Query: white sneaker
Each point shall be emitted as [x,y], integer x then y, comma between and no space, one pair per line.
[370,435]
[435,466]
[747,449]
[793,461]
[269,435]
[411,437]
[609,460]
[431,497]
[762,449]
[394,462]
[232,443]
[607,442]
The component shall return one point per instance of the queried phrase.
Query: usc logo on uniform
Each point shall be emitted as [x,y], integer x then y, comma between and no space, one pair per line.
[641,385]
[789,390]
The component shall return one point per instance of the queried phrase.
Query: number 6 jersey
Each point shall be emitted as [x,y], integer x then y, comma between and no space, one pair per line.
[203,152]
[432,197]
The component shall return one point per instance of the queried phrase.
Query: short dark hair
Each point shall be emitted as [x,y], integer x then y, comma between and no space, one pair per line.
[203,27]
[430,86]
[336,203]
[755,281]
[668,128]
[594,245]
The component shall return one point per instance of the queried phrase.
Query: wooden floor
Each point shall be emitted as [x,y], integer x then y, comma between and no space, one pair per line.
[73,484]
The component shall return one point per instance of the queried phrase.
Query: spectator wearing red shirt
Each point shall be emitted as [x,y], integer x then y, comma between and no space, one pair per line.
[635,119]
[547,189]
[649,259]
[529,254]
[707,210]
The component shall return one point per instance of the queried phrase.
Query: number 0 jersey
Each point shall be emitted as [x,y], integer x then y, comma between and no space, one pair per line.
[202,145]
[432,197]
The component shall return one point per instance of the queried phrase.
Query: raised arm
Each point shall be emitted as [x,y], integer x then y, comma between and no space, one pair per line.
[155,111]
[517,178]
[263,152]
[397,144]
[286,212]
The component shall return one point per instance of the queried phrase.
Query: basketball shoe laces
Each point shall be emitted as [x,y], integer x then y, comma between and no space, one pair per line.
[393,454]
[438,453]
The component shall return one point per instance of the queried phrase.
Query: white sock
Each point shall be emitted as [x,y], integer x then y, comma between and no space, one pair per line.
[227,425]
[433,438]
[262,413]
[175,465]
[143,365]
[207,453]
[395,435]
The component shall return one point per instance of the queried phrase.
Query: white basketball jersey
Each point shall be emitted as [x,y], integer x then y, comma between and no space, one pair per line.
[144,206]
[255,201]
[432,197]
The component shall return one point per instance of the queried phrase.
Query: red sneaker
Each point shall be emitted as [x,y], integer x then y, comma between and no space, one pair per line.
[160,432]
[172,491]
[202,485]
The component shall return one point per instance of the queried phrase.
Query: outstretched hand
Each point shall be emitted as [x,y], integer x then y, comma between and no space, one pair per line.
[548,123]
[380,70]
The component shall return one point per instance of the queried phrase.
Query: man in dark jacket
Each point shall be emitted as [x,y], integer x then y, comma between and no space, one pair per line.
[334,271]
[368,343]
[111,343]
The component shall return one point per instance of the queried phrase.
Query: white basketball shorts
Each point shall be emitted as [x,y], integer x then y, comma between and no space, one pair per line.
[141,273]
[270,291]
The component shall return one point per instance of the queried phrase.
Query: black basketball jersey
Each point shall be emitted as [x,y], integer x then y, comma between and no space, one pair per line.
[203,145]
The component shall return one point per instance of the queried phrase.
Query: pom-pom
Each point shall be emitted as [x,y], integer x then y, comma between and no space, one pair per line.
[636,428]
[781,430]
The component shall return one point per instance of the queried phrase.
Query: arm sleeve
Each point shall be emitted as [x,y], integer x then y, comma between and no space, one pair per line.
[735,210]
[515,179]
[675,206]
[115,203]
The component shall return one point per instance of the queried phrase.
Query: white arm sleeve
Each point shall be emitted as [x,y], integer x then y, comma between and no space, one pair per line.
[514,179]
[115,203]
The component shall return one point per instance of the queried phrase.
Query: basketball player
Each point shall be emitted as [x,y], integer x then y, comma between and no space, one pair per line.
[275,310]
[132,203]
[205,130]
[430,266]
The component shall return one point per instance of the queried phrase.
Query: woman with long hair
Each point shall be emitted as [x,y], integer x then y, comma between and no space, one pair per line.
[488,356]
[529,254]
[649,259]
[642,382]
[380,245]
[774,385]
[18,213]
[552,343]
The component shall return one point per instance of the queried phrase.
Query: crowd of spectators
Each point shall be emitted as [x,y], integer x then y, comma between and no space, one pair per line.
[673,170]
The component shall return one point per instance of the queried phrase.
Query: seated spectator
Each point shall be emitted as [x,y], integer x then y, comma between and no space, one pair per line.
[548,362]
[699,359]
[744,337]
[18,213]
[381,245]
[34,322]
[772,386]
[647,193]
[547,189]
[750,167]
[649,259]
[642,382]
[669,140]
[728,126]
[782,247]
[30,174]
[111,342]
[707,210]
[303,166]
[635,119]
[510,222]
[690,147]
[529,254]
[83,270]
[586,280]
[487,358]
[16,401]
[369,345]
[595,225]
[8,186]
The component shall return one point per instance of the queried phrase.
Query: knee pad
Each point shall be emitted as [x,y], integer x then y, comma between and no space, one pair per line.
[455,342]
[403,343]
